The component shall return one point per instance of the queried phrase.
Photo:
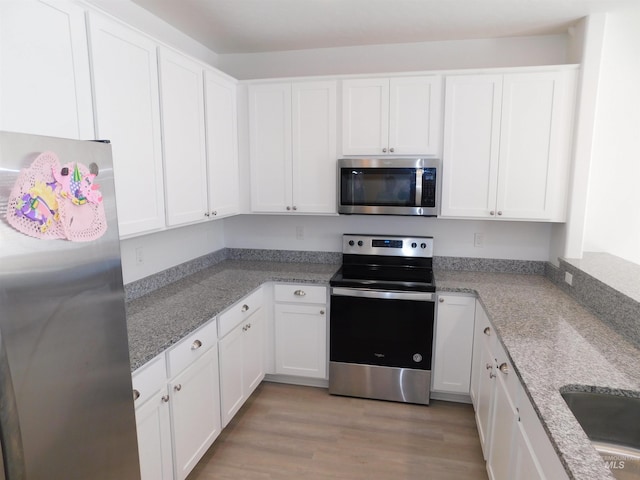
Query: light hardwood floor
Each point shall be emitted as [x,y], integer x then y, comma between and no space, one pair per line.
[288,432]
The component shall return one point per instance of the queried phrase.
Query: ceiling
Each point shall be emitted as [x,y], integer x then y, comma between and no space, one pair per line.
[246,26]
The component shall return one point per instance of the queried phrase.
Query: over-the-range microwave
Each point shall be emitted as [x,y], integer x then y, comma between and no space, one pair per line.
[389,186]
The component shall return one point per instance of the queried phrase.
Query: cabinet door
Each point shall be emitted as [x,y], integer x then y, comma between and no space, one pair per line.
[253,352]
[471,141]
[314,147]
[486,389]
[301,340]
[502,432]
[414,115]
[481,336]
[231,374]
[365,116]
[222,145]
[127,112]
[45,86]
[270,147]
[531,158]
[195,411]
[154,438]
[525,465]
[453,343]
[183,138]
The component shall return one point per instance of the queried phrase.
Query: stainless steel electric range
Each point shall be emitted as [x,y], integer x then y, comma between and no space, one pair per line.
[382,318]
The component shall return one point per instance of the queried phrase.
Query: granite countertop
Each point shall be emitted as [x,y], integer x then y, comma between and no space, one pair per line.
[161,318]
[553,342]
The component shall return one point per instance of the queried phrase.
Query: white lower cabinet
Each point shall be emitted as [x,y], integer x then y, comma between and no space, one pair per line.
[453,343]
[195,411]
[301,331]
[153,421]
[513,439]
[241,356]
[178,408]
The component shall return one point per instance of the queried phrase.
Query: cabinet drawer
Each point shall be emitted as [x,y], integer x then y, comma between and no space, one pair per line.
[148,379]
[301,293]
[192,347]
[239,312]
[510,376]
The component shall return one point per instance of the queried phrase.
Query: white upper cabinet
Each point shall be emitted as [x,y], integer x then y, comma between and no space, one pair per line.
[45,85]
[183,138]
[507,145]
[292,129]
[314,147]
[397,116]
[222,144]
[127,112]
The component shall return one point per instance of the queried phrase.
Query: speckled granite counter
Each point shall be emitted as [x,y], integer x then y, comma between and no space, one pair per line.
[553,342]
[161,318]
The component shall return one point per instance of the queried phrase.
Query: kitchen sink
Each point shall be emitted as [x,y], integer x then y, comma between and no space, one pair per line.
[612,423]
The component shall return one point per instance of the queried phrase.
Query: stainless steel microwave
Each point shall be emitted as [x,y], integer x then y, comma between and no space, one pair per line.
[389,186]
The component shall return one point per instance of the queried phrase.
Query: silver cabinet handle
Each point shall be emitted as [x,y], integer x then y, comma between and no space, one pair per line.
[196,345]
[489,366]
[391,150]
[499,212]
[288,207]
[165,398]
[136,394]
[441,300]
[178,387]
[248,326]
[299,293]
[295,208]
[384,150]
[206,214]
[492,375]
[321,312]
[244,328]
[214,212]
[487,331]
[244,308]
[504,368]
[492,212]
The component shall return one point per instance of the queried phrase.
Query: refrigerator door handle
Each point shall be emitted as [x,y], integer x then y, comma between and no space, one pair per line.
[12,458]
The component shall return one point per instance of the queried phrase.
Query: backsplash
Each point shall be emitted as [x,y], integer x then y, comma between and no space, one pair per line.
[607,285]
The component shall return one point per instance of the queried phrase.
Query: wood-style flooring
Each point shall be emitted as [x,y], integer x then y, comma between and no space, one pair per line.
[289,432]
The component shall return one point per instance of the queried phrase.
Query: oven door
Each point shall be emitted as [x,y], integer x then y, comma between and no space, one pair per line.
[381,344]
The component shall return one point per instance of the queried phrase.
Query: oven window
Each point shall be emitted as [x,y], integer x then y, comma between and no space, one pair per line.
[392,333]
[394,187]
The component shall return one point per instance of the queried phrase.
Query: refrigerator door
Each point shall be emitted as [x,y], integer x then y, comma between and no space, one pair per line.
[63,324]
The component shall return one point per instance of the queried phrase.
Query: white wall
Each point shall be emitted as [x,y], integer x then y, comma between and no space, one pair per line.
[169,248]
[481,53]
[509,240]
[585,47]
[613,207]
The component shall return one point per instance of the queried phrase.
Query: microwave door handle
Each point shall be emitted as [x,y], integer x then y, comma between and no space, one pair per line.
[418,199]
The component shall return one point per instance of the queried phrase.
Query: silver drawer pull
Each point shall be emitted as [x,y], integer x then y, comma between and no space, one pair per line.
[321,312]
[136,394]
[299,293]
[165,398]
[504,368]
[196,345]
[487,331]
[244,308]
[178,387]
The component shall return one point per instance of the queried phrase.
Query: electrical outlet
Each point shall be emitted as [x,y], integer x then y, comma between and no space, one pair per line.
[568,278]
[299,233]
[478,240]
[139,256]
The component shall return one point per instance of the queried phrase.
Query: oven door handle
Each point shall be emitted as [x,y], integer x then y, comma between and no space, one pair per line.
[385,295]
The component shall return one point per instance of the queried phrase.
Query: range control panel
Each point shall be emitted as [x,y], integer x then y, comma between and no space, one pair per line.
[387,245]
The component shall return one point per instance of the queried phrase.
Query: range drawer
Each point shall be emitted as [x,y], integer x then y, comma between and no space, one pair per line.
[192,347]
[300,293]
[148,379]
[237,314]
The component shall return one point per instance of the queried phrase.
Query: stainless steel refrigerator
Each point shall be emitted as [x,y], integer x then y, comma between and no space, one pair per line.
[66,405]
